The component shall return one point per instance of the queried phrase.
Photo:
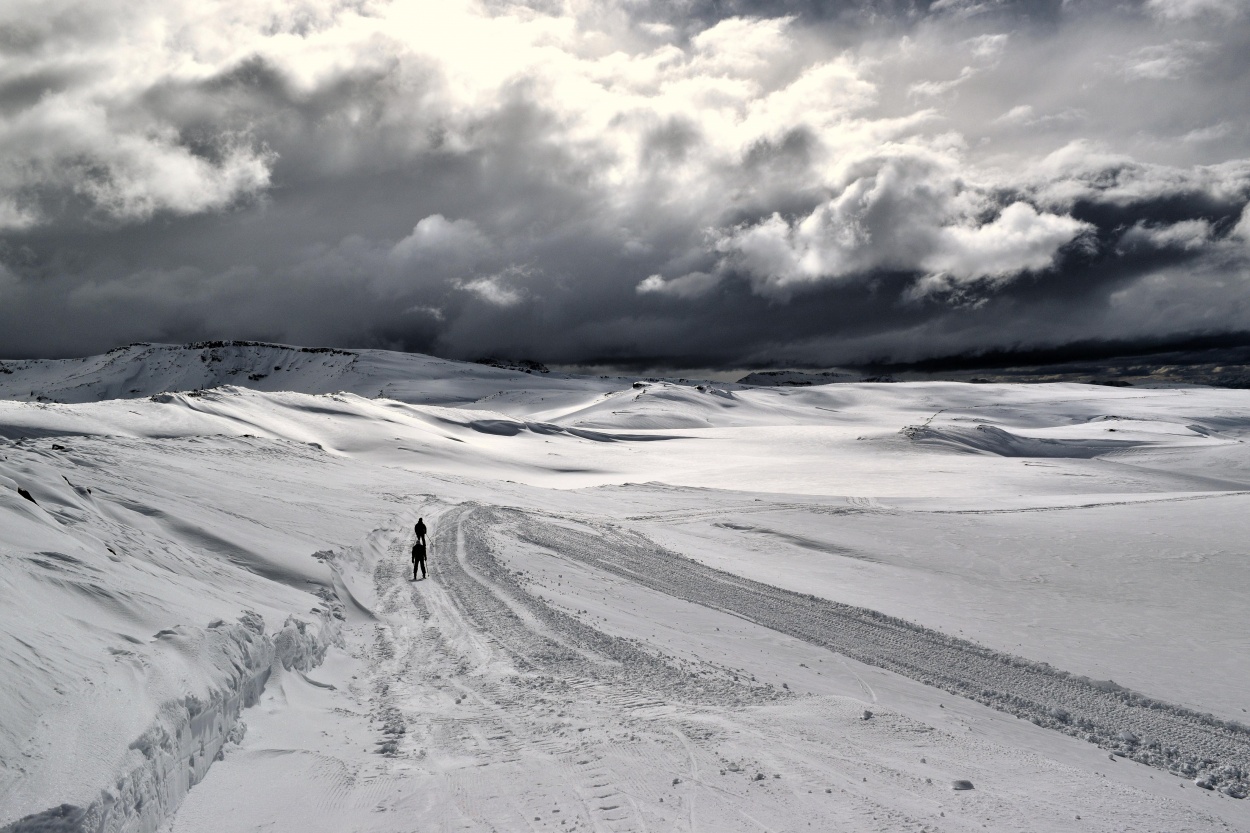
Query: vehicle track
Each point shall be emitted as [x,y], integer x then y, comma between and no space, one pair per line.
[540,638]
[1214,752]
[535,691]
[508,713]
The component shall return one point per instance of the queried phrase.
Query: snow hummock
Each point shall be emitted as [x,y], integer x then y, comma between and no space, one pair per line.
[650,604]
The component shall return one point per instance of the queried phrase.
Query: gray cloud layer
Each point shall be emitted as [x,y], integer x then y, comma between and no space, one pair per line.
[729,183]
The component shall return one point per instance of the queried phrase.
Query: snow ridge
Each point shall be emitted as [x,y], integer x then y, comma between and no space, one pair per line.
[142,369]
[176,751]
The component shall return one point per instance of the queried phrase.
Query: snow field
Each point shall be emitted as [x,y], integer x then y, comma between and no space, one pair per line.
[641,599]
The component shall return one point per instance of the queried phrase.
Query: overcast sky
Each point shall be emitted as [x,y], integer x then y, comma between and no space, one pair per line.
[702,182]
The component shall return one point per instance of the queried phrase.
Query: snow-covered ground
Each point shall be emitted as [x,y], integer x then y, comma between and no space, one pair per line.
[651,605]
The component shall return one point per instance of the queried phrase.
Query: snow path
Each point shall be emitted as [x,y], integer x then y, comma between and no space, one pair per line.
[487,707]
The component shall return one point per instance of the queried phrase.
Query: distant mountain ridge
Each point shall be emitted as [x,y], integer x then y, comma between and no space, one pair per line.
[145,369]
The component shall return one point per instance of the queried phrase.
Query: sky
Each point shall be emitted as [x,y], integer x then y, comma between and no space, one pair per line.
[712,183]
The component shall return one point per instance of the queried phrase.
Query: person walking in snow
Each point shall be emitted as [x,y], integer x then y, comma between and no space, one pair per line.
[420,530]
[418,559]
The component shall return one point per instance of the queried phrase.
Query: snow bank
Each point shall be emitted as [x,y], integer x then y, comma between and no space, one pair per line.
[148,593]
[177,749]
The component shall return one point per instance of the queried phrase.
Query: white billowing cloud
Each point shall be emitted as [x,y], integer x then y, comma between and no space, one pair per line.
[437,249]
[432,75]
[127,174]
[1089,171]
[690,285]
[437,238]
[1242,229]
[144,177]
[492,288]
[87,132]
[822,96]
[1019,240]
[1189,235]
[885,215]
[907,212]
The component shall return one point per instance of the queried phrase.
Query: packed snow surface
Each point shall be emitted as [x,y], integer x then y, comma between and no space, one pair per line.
[651,605]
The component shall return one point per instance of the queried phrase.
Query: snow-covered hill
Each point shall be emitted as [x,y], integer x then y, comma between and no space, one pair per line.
[651,605]
[145,369]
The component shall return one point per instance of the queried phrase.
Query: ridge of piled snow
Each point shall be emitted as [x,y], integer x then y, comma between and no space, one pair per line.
[174,753]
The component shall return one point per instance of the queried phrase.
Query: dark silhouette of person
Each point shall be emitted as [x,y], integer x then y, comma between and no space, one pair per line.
[418,560]
[420,529]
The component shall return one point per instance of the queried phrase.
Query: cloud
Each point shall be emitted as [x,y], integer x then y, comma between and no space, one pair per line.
[1164,62]
[1175,10]
[437,237]
[966,8]
[1083,171]
[1019,240]
[1241,231]
[1025,116]
[906,212]
[493,289]
[704,182]
[1211,133]
[691,285]
[1187,235]
[933,89]
[989,47]
[1020,114]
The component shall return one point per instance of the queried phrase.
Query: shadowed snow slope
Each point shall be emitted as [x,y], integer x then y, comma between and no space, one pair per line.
[651,605]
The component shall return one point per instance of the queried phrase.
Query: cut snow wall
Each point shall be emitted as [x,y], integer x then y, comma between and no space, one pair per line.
[174,754]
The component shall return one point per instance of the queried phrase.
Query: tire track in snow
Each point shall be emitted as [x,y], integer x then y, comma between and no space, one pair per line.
[1214,752]
[490,598]
[551,730]
[504,665]
[626,686]
[563,657]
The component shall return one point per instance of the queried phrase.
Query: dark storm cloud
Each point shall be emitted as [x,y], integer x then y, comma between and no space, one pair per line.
[714,183]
